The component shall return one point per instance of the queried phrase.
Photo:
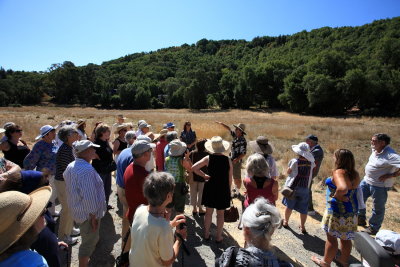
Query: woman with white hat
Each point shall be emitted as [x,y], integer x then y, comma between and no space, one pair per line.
[216,193]
[299,179]
[21,221]
[176,163]
[43,158]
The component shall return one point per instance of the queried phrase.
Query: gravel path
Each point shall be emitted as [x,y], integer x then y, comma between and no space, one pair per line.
[289,244]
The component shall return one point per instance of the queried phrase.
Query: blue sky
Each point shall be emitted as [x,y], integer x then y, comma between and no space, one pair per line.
[36,34]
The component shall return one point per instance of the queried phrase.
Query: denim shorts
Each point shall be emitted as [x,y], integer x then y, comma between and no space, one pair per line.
[300,202]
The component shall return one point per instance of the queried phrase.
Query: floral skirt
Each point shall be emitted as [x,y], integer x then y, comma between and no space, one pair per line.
[340,226]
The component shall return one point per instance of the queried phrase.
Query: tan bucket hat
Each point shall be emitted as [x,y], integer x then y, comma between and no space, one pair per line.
[19,212]
[216,145]
[120,127]
[261,145]
[241,127]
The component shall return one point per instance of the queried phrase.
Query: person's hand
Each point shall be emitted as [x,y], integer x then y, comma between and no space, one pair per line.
[385,176]
[62,244]
[207,177]
[94,222]
[187,153]
[342,198]
[177,220]
[182,232]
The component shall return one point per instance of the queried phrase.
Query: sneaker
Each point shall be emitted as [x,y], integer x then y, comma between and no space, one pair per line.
[75,231]
[370,231]
[361,221]
[70,240]
[311,212]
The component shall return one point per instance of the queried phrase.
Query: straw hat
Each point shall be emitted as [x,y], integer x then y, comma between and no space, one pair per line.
[261,145]
[2,130]
[80,122]
[162,133]
[176,148]
[303,149]
[44,130]
[19,212]
[241,127]
[120,127]
[216,145]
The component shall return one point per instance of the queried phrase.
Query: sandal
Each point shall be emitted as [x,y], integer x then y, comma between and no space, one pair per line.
[319,262]
[285,225]
[339,263]
[303,230]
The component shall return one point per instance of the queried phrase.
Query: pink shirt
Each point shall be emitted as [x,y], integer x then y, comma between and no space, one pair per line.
[160,154]
[254,192]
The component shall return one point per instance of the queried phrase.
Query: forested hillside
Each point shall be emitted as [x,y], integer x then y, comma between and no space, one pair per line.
[325,71]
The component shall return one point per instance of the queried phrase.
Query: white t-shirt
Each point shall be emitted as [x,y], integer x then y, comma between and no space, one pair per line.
[152,239]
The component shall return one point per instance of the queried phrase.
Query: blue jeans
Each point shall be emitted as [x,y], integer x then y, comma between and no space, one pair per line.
[379,197]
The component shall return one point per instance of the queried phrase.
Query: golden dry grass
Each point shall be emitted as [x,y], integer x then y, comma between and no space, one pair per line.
[282,128]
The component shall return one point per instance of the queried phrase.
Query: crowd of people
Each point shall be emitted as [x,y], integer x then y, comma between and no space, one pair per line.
[154,174]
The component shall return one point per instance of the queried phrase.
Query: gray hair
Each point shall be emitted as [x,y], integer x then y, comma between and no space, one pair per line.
[129,136]
[156,187]
[383,137]
[171,136]
[66,131]
[257,165]
[262,218]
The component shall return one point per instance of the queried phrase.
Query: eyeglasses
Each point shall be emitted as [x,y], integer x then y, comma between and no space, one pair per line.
[18,131]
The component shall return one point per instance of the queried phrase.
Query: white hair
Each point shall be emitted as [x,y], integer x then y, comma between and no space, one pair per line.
[257,165]
[262,219]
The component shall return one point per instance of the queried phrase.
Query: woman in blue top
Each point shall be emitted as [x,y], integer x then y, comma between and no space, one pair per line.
[340,217]
[188,136]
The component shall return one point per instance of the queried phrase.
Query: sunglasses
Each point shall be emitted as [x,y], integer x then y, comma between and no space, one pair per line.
[18,131]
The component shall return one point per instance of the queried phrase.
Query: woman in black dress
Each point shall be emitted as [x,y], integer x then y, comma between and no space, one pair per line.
[216,194]
[14,148]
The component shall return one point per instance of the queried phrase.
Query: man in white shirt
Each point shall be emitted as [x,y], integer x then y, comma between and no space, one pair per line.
[382,167]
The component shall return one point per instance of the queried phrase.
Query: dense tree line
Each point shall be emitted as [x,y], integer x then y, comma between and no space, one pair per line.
[325,71]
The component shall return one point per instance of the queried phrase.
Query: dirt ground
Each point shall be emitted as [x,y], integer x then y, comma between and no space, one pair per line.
[289,244]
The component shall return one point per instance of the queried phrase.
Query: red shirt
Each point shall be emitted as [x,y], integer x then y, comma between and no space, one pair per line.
[254,192]
[160,154]
[134,177]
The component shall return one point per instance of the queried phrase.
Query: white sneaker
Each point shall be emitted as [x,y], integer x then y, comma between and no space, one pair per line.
[70,240]
[75,231]
[311,212]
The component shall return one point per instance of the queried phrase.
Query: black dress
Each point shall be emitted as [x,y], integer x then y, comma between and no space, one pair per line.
[16,153]
[216,192]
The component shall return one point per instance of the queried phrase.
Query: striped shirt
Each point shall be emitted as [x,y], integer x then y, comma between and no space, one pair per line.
[85,191]
[64,157]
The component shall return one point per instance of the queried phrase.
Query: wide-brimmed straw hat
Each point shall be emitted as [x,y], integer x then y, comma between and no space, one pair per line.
[120,127]
[216,145]
[303,149]
[19,212]
[80,122]
[44,130]
[261,145]
[241,127]
[176,148]
[2,130]
[162,133]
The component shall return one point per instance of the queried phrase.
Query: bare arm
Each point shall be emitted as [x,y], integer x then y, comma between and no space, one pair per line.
[224,125]
[13,170]
[186,162]
[175,222]
[115,146]
[275,189]
[341,185]
[196,168]
[5,146]
[230,173]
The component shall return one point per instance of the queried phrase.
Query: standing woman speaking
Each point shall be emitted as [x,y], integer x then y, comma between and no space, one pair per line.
[188,136]
[105,164]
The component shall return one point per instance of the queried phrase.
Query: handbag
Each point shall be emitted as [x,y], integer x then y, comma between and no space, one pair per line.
[288,192]
[123,259]
[231,214]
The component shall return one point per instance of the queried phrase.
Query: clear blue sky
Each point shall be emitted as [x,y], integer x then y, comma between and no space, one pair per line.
[37,33]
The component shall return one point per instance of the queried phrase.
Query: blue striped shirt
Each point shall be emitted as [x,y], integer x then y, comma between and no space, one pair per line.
[85,191]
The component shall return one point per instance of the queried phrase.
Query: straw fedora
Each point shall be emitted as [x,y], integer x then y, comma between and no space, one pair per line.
[216,145]
[261,145]
[162,133]
[176,148]
[80,122]
[241,127]
[120,127]
[303,149]
[19,212]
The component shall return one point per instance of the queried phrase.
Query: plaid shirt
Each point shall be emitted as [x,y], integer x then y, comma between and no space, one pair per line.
[239,145]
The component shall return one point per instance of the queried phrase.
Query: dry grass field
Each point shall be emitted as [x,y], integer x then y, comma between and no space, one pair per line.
[283,130]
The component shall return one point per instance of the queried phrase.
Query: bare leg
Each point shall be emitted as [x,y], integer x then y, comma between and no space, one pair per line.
[345,249]
[84,262]
[331,247]
[288,212]
[220,224]
[207,222]
[303,218]
[238,183]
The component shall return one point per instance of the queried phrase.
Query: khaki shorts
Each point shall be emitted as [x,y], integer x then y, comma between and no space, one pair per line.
[237,170]
[89,239]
